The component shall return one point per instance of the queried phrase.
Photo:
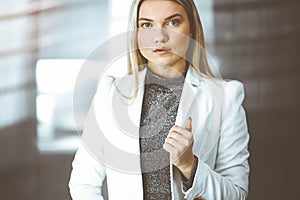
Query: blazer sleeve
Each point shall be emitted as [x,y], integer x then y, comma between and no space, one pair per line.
[86,177]
[228,179]
[88,172]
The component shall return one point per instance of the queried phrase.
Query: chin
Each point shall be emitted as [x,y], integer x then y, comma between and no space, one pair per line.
[163,62]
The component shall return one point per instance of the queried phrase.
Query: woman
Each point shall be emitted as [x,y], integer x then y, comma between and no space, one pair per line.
[169,129]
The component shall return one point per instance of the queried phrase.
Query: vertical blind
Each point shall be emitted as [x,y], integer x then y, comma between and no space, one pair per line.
[257,42]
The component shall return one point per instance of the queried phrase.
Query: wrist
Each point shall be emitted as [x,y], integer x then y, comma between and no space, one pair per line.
[187,168]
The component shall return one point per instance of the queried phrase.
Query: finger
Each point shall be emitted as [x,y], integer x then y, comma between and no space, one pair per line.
[174,153]
[179,142]
[175,135]
[181,133]
[183,139]
[175,143]
[179,130]
[188,124]
[169,148]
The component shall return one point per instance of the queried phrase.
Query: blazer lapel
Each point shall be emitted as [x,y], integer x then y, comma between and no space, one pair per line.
[130,110]
[135,108]
[197,102]
[189,93]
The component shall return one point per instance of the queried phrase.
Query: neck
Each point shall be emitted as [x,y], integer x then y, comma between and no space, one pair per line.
[167,71]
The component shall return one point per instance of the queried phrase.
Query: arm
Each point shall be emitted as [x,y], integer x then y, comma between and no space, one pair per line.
[86,177]
[88,172]
[229,177]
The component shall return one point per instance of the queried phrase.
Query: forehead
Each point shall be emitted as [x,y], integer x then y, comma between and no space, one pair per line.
[156,9]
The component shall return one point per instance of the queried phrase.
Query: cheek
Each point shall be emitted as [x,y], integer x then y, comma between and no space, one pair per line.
[142,44]
[143,38]
[140,40]
[184,42]
[183,38]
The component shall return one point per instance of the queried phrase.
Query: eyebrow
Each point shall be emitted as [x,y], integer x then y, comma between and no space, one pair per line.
[170,17]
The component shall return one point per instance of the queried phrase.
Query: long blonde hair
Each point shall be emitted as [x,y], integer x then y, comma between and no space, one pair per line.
[196,54]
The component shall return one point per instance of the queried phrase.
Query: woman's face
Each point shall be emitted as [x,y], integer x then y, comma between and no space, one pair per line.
[164,33]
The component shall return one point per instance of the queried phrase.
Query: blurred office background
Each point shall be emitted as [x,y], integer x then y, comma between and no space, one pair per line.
[43,45]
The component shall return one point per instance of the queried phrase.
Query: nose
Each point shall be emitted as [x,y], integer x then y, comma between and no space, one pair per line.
[160,35]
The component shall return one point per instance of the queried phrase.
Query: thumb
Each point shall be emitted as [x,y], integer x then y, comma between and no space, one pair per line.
[188,124]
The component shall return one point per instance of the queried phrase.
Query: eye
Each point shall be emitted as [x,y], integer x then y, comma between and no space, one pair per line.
[173,22]
[145,25]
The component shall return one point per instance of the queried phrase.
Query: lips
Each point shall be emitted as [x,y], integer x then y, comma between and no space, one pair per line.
[162,51]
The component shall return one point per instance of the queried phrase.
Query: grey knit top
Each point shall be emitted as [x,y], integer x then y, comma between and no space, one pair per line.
[159,109]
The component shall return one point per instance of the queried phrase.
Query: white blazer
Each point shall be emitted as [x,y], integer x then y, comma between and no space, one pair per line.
[110,147]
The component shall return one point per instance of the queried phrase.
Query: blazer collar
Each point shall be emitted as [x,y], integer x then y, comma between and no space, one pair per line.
[192,78]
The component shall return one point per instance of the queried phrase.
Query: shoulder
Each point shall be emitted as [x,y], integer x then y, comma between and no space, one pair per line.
[233,85]
[234,90]
[226,84]
[228,87]
[216,85]
[234,96]
[104,84]
[107,81]
[227,93]
[126,78]
[224,87]
[124,85]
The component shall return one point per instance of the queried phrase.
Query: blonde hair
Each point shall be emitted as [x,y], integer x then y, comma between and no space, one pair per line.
[196,54]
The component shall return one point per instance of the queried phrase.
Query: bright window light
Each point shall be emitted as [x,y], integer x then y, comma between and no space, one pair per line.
[57,75]
[44,107]
[56,79]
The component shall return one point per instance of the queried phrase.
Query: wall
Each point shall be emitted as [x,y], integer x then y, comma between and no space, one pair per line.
[257,42]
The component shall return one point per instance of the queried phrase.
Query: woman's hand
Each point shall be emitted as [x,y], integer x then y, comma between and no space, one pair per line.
[179,143]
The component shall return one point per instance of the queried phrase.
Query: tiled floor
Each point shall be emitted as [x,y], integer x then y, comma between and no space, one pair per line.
[274,147]
[53,176]
[26,174]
